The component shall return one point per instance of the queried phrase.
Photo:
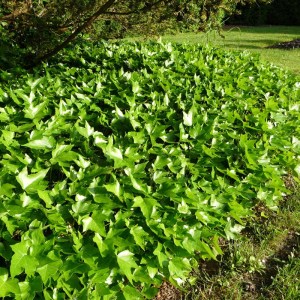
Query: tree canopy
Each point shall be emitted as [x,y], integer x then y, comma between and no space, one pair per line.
[43,27]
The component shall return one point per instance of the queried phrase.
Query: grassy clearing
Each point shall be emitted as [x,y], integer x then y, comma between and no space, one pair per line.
[254,39]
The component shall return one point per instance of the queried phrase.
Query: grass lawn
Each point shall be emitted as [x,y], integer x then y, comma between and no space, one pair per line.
[254,39]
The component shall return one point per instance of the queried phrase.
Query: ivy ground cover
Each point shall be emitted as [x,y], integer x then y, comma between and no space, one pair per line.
[124,164]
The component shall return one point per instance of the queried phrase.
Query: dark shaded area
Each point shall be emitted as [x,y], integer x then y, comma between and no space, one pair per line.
[278,12]
[287,45]
[277,261]
[246,44]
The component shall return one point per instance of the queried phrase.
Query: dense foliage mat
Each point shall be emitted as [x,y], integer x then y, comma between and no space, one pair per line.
[123,164]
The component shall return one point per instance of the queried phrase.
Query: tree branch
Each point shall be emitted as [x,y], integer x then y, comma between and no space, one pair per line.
[16,13]
[136,11]
[71,37]
[101,11]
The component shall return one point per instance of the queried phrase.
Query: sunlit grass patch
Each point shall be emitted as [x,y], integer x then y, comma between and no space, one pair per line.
[253,39]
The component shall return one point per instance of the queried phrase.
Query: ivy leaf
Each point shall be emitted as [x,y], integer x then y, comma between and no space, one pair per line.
[297,170]
[132,293]
[94,223]
[114,188]
[43,143]
[35,112]
[21,260]
[103,248]
[183,208]
[139,236]
[49,270]
[161,256]
[147,205]
[45,196]
[6,189]
[188,118]
[7,285]
[126,262]
[179,269]
[63,154]
[138,185]
[60,149]
[113,152]
[27,181]
[135,87]
[72,266]
[85,131]
[208,250]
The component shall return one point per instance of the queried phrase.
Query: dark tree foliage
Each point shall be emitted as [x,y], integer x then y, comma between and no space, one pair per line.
[278,12]
[284,12]
[43,27]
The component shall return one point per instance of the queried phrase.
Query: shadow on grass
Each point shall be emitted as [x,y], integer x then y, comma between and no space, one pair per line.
[262,281]
[289,30]
[242,46]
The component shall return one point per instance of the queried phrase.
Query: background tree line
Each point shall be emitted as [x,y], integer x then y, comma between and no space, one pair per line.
[278,12]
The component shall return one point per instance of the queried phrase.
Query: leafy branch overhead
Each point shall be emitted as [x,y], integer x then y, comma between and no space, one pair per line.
[44,28]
